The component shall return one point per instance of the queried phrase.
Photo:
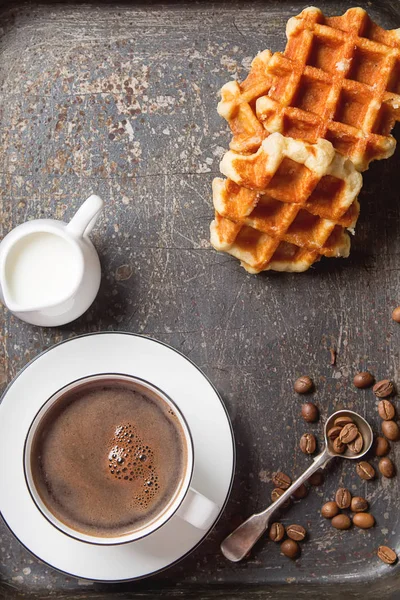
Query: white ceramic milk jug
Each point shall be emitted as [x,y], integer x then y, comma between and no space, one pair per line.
[50,271]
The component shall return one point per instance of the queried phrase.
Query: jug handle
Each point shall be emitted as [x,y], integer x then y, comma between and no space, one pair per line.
[86,216]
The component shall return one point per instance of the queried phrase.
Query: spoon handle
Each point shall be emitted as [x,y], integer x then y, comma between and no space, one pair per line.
[241,540]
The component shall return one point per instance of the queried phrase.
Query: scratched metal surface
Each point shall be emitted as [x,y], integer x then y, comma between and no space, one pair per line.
[121,99]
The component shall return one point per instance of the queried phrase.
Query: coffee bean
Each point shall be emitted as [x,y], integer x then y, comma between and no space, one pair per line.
[358,504]
[391,430]
[383,389]
[296,532]
[276,532]
[338,446]
[386,554]
[381,446]
[308,443]
[363,520]
[343,498]
[386,410]
[276,494]
[356,445]
[348,433]
[316,479]
[290,548]
[301,492]
[309,412]
[334,432]
[363,380]
[329,510]
[341,522]
[303,385]
[387,467]
[342,421]
[281,480]
[365,470]
[396,314]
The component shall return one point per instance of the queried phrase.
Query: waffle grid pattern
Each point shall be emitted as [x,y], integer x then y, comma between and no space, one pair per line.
[302,198]
[334,83]
[290,194]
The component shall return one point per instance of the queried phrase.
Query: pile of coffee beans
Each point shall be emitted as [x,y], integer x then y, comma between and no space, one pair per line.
[344,434]
[343,501]
[383,390]
[295,533]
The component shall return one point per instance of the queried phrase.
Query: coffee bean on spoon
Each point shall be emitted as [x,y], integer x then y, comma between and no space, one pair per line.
[329,510]
[381,446]
[386,467]
[301,492]
[365,470]
[296,532]
[309,412]
[343,498]
[334,432]
[342,421]
[363,520]
[383,389]
[391,430]
[356,445]
[358,504]
[290,548]
[338,446]
[386,410]
[348,433]
[387,555]
[316,479]
[303,385]
[276,532]
[363,380]
[308,443]
[341,522]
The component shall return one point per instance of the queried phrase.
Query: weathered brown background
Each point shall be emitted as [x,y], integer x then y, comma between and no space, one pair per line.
[120,99]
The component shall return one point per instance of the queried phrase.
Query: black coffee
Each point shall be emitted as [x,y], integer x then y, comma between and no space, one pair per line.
[107,460]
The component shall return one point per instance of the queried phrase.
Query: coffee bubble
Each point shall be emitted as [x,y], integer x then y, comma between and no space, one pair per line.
[142,470]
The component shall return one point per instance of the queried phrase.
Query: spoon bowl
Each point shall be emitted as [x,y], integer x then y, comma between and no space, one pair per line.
[362,426]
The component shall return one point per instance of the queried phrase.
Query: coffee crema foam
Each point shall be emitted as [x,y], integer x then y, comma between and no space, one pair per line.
[131,460]
[108,460]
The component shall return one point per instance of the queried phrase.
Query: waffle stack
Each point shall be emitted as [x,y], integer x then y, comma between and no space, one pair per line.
[305,123]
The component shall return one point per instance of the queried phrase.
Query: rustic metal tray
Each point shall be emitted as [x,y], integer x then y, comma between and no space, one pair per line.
[120,99]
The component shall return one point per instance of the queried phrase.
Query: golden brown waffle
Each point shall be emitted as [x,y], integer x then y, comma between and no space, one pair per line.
[285,206]
[339,79]
[238,105]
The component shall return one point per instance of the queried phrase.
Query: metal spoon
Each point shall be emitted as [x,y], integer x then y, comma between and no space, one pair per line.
[241,540]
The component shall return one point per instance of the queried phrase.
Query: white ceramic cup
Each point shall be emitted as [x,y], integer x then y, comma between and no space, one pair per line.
[186,503]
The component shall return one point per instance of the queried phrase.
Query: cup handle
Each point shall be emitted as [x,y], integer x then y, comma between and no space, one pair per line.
[86,216]
[198,510]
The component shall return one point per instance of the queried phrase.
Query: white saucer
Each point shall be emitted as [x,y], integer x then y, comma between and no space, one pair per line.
[120,353]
